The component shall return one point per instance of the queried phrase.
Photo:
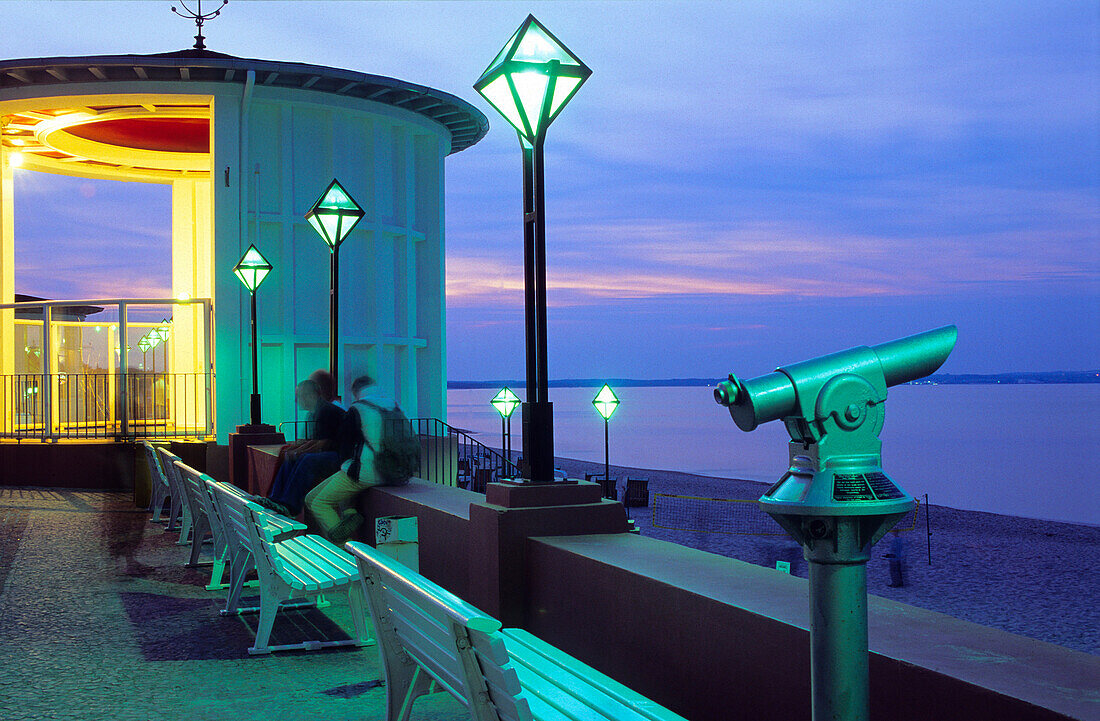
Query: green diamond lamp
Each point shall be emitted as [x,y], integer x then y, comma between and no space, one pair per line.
[531,79]
[606,403]
[333,216]
[505,402]
[251,269]
[529,82]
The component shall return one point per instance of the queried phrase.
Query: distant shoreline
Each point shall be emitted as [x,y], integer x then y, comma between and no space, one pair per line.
[1047,377]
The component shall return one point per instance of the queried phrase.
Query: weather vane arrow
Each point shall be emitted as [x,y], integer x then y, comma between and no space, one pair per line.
[199,17]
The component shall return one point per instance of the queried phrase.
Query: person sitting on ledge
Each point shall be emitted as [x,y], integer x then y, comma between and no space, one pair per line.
[303,463]
[385,453]
[325,386]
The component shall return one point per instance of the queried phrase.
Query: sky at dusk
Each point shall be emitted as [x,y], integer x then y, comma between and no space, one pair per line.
[738,185]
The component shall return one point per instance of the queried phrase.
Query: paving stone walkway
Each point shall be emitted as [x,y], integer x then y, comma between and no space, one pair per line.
[100,619]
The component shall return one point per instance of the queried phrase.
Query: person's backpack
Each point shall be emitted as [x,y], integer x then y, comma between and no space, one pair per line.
[397,458]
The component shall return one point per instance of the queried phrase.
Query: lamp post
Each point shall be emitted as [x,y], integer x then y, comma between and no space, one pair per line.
[505,402]
[529,82]
[606,403]
[333,216]
[143,346]
[251,270]
[164,331]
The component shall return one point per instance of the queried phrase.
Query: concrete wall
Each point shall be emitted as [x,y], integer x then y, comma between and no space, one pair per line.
[716,639]
[104,465]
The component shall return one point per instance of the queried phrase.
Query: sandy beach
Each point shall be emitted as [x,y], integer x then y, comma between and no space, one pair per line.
[1030,577]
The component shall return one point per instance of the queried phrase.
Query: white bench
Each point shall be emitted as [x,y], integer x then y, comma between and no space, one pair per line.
[205,520]
[228,503]
[298,567]
[427,634]
[181,510]
[159,492]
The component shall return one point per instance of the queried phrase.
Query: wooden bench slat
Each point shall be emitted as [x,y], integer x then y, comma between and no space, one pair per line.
[296,578]
[557,668]
[522,676]
[298,558]
[337,558]
[301,552]
[411,583]
[436,659]
[433,644]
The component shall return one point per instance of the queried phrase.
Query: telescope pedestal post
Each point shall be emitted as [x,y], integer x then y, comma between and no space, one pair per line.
[838,641]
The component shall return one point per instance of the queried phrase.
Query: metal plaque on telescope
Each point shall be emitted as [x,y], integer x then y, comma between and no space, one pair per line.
[851,487]
[883,487]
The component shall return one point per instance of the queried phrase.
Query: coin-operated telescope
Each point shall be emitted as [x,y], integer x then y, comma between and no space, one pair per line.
[835,499]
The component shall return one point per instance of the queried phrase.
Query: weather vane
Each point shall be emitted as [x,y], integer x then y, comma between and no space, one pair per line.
[199,18]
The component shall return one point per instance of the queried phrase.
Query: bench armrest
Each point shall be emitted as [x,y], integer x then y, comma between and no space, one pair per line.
[553,667]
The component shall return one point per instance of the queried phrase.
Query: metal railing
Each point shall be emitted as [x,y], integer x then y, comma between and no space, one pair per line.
[447,455]
[106,405]
[301,430]
[454,458]
[68,377]
[734,516]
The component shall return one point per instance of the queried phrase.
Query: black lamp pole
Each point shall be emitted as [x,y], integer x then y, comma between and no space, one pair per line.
[255,414]
[334,313]
[538,411]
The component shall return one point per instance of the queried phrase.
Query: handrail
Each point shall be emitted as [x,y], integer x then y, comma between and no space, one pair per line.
[457,458]
[450,456]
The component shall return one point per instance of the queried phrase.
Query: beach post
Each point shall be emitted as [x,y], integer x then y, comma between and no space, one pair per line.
[835,499]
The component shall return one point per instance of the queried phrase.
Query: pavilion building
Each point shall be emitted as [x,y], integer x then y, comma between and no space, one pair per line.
[247,146]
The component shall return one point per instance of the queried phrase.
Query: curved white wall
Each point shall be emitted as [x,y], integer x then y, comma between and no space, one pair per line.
[391,266]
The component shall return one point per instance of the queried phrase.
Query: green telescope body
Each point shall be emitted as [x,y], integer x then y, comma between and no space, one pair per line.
[835,499]
[792,391]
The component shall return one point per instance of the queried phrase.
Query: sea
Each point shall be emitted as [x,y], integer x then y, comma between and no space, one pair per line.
[1028,450]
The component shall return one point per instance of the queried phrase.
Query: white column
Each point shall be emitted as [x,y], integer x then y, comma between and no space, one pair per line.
[7,265]
[192,274]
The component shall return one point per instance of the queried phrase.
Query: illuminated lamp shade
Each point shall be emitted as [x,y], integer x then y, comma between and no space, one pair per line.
[152,338]
[334,214]
[144,345]
[531,79]
[164,330]
[505,402]
[252,268]
[606,402]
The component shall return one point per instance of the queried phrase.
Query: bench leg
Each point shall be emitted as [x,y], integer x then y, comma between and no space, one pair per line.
[363,636]
[217,574]
[269,608]
[198,533]
[239,568]
[157,504]
[401,692]
[174,512]
[185,527]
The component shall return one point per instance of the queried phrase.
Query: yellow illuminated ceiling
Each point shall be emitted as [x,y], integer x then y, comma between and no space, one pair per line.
[148,140]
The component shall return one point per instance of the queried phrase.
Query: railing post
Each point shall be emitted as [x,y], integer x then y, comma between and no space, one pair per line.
[124,409]
[207,369]
[44,387]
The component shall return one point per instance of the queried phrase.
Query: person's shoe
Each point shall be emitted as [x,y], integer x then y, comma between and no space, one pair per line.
[350,520]
[274,506]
